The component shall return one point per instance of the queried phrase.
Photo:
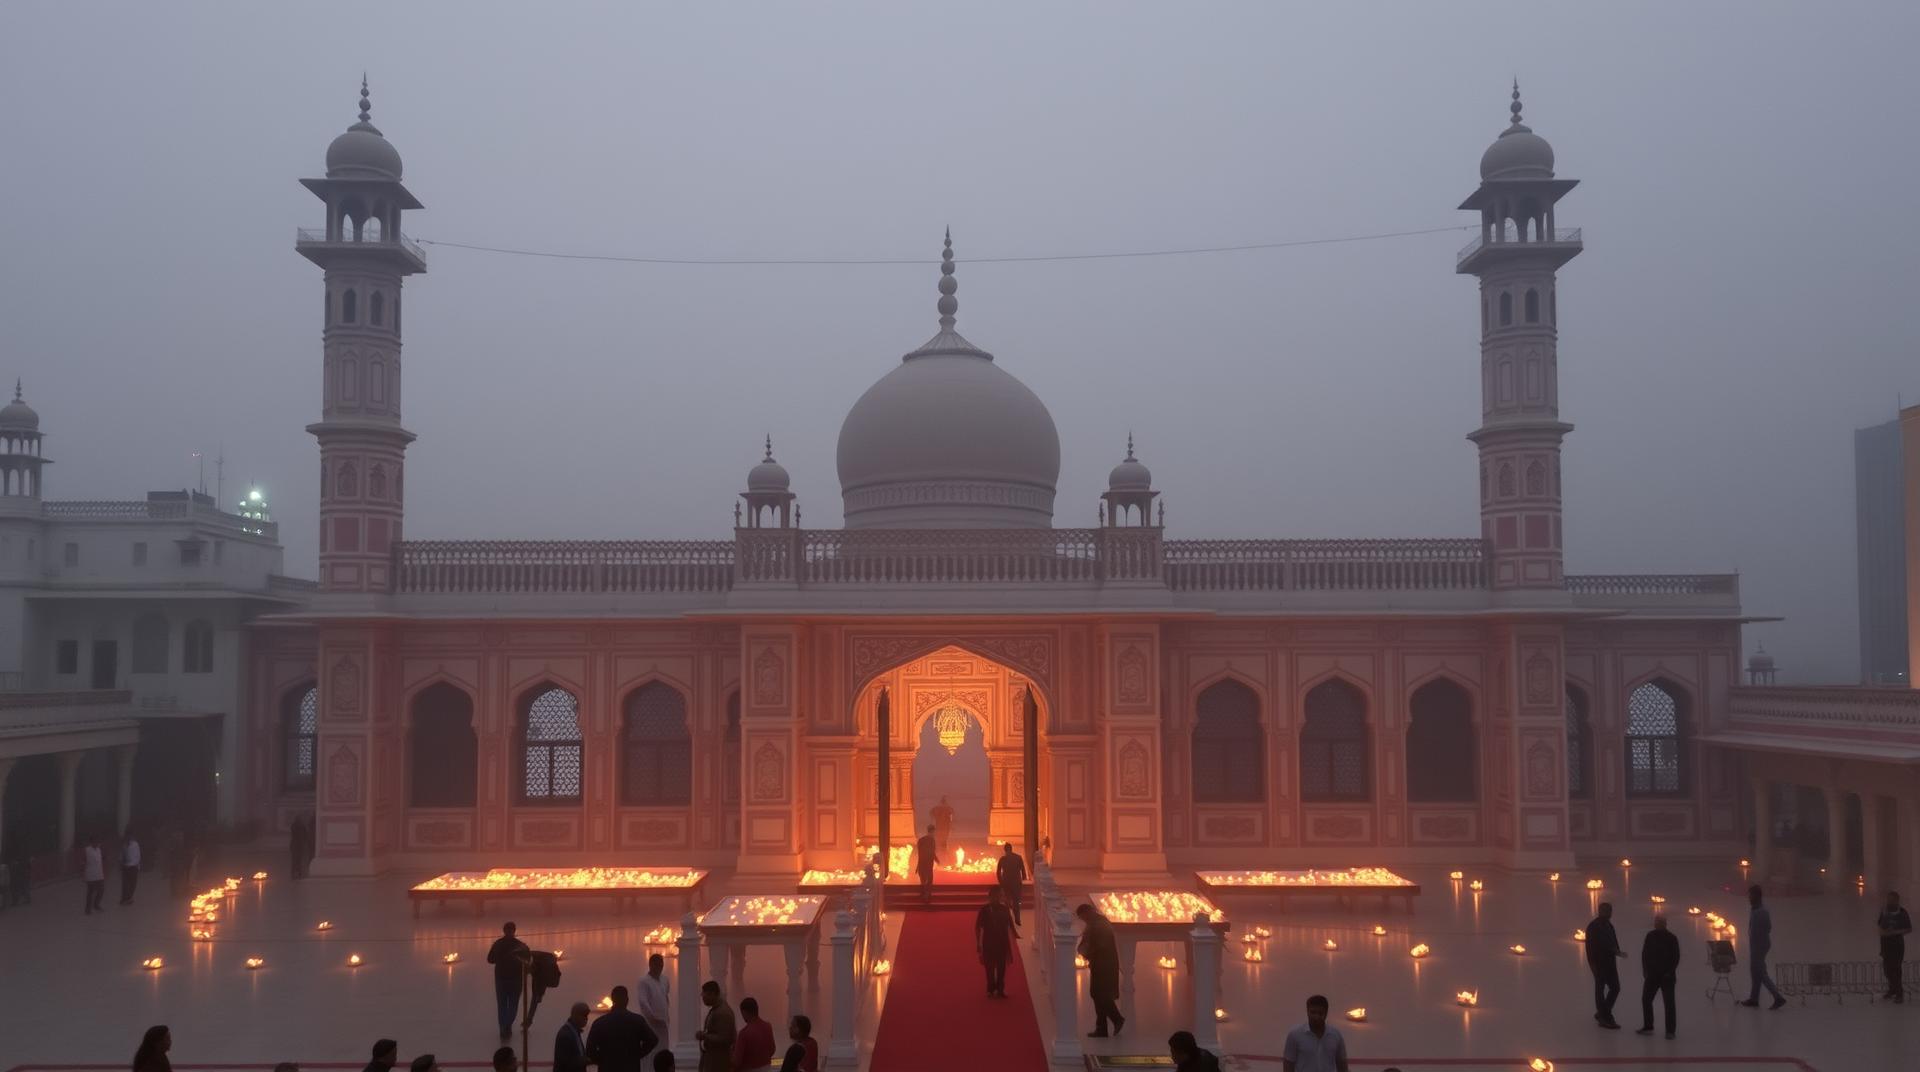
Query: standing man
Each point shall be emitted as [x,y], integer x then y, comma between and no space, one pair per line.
[129,867]
[1759,944]
[1895,925]
[993,938]
[943,821]
[753,1046]
[1659,960]
[1102,950]
[1603,949]
[509,956]
[1313,1046]
[570,1043]
[620,1039]
[716,1035]
[653,996]
[298,837]
[925,856]
[1012,872]
[95,873]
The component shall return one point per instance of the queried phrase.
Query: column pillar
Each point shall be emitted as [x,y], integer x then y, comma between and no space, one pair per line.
[1204,976]
[123,762]
[1065,989]
[770,812]
[69,787]
[1872,866]
[6,769]
[841,1045]
[687,1007]
[1132,841]
[1762,829]
[1527,809]
[1837,877]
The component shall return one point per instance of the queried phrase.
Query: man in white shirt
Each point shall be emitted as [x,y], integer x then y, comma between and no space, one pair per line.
[129,868]
[95,872]
[1313,1046]
[653,997]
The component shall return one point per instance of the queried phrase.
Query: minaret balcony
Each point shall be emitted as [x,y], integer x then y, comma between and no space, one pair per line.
[313,243]
[1562,247]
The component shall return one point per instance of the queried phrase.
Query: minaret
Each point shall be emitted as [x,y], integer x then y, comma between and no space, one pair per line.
[1516,256]
[362,445]
[21,457]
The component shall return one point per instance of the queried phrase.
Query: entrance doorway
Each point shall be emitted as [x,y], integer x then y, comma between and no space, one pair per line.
[953,781]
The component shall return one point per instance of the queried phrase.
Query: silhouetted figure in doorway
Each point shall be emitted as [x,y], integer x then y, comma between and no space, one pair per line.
[925,856]
[943,822]
[1012,872]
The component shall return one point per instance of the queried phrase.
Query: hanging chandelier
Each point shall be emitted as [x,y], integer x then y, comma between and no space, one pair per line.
[951,724]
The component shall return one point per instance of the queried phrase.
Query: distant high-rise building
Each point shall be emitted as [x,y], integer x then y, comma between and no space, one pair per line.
[1880,529]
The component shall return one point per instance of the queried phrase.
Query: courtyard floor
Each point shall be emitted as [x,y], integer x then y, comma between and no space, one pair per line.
[76,995]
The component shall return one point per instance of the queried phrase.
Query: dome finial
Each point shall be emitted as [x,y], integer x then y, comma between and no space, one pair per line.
[16,388]
[1515,106]
[769,446]
[948,304]
[1129,444]
[366,100]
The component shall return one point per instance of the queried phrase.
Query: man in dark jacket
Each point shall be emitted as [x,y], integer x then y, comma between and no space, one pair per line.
[509,958]
[1603,949]
[620,1039]
[570,1042]
[925,855]
[1102,950]
[1659,959]
[1188,1056]
[386,1053]
[1895,925]
[1012,874]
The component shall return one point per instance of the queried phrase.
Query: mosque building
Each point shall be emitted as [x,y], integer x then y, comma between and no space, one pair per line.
[1145,704]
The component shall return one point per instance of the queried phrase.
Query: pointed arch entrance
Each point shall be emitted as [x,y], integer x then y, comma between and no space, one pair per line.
[898,716]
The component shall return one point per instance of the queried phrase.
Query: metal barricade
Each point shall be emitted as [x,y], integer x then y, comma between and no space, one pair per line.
[1836,979]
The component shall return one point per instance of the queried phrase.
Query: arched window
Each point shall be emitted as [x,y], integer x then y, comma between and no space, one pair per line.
[1579,746]
[1656,721]
[349,306]
[300,730]
[196,647]
[376,483]
[1532,307]
[150,644]
[1536,478]
[442,751]
[1506,307]
[1333,744]
[656,755]
[348,484]
[370,232]
[550,746]
[1229,748]
[1506,480]
[1441,747]
[377,307]
[730,754]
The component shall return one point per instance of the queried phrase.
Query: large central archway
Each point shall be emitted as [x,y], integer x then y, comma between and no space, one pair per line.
[1003,706]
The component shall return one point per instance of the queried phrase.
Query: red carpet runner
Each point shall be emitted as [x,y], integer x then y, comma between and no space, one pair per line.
[938,1017]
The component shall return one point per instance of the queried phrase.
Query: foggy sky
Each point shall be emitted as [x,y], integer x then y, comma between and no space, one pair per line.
[1745,300]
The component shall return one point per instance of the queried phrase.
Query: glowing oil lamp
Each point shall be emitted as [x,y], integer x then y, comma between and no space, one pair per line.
[1517,950]
[1263,933]
[1249,939]
[354,961]
[1476,885]
[323,925]
[153,964]
[1252,955]
[1539,1064]
[1330,945]
[1579,935]
[259,876]
[201,934]
[233,884]
[1079,961]
[1419,951]
[450,958]
[1467,999]
[1379,931]
[1169,963]
[882,967]
[1595,884]
[1693,910]
[604,1003]
[1219,1016]
[1657,899]
[1456,875]
[559,954]
[254,963]
[1625,863]
[1358,1016]
[1744,864]
[1555,877]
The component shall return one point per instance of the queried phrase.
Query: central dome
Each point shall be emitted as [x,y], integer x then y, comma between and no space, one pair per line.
[948,440]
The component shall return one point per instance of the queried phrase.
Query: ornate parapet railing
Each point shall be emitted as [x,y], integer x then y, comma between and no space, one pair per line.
[157,510]
[1326,565]
[1510,235]
[1654,584]
[1813,709]
[483,566]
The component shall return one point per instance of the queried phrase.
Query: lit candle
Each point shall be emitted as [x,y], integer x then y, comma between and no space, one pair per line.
[1079,961]
[1219,1016]
[1330,945]
[1555,877]
[1595,884]
[1168,963]
[1579,935]
[259,876]
[1476,885]
[1252,955]
[605,1003]
[323,925]
[1419,951]
[450,958]
[201,934]
[153,964]
[1456,875]
[1517,950]
[1539,1064]
[1657,899]
[1467,998]
[1625,863]
[1358,1016]
[882,967]
[1379,931]
[1744,865]
[1263,932]
[1693,910]
[353,960]
[254,963]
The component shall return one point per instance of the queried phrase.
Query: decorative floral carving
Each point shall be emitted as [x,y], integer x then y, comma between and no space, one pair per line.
[1017,786]
[873,654]
[1445,828]
[1661,822]
[1539,679]
[951,668]
[975,701]
[1030,654]
[653,831]
[1133,675]
[769,776]
[343,686]
[769,679]
[1135,782]
[1338,827]
[343,776]
[1540,769]
[439,833]
[546,831]
[1230,827]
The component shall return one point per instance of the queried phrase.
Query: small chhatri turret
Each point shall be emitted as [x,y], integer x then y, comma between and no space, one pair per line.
[769,495]
[1129,496]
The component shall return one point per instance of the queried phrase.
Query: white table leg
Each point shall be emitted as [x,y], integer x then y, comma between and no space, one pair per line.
[796,951]
[1127,947]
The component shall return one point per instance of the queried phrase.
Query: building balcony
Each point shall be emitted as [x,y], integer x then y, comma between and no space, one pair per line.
[1563,245]
[1839,721]
[177,508]
[313,240]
